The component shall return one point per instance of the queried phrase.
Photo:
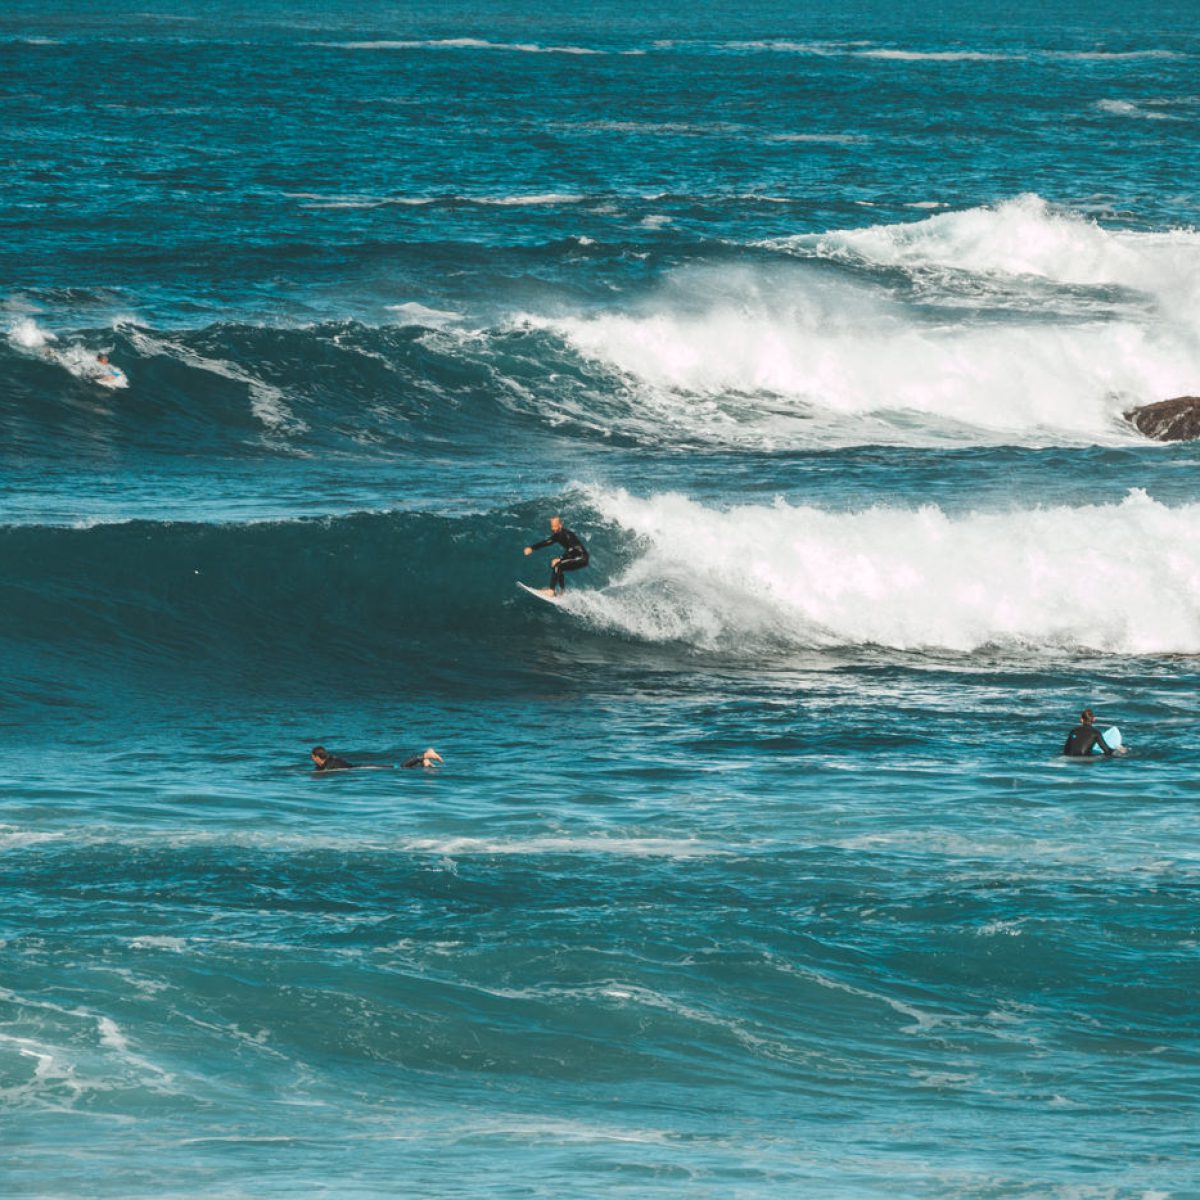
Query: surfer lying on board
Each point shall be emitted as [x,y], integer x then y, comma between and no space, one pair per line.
[574,556]
[1085,735]
[324,761]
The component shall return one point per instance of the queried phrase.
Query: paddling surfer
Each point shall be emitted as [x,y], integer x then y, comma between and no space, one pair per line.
[324,761]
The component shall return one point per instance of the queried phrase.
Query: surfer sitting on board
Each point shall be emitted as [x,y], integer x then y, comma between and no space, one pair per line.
[574,555]
[324,761]
[1085,735]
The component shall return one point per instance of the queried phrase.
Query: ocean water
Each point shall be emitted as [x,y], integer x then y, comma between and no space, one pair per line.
[752,870]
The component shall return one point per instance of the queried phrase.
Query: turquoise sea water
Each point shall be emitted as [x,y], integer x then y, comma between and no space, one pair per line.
[753,871]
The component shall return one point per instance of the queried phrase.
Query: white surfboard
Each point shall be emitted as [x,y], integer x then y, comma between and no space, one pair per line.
[1112,738]
[538,593]
[114,378]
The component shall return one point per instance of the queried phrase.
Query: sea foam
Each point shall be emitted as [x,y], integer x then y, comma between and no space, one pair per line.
[1084,323]
[758,575]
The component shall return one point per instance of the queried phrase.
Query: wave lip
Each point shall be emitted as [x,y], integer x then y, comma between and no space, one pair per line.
[1116,579]
[1023,236]
[460,43]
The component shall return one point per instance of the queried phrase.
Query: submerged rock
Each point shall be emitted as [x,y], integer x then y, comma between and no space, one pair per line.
[1175,420]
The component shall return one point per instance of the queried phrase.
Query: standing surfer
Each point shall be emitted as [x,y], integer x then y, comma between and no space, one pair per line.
[573,558]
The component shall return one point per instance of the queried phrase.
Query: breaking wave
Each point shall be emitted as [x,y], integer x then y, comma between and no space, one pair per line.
[1116,579]
[374,591]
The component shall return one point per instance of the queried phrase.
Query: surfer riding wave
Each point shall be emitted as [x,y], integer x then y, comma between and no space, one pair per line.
[573,558]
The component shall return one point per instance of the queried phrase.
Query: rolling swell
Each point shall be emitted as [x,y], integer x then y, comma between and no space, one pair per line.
[229,387]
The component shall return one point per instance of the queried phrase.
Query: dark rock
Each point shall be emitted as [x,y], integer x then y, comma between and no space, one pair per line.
[1175,420]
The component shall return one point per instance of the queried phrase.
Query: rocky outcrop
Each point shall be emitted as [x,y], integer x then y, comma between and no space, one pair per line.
[1175,420]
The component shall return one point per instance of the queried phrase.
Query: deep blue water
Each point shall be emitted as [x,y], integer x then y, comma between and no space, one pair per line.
[752,871]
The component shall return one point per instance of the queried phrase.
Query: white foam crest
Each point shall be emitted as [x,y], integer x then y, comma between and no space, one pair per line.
[267,403]
[533,198]
[739,357]
[622,847]
[1127,108]
[443,847]
[832,139]
[714,129]
[760,575]
[1022,236]
[59,1081]
[938,55]
[784,46]
[80,361]
[27,334]
[320,200]
[413,313]
[357,200]
[12,838]
[958,54]
[462,43]
[1109,55]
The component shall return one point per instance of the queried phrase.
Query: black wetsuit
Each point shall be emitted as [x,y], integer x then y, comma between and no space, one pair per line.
[574,555]
[333,763]
[1082,738]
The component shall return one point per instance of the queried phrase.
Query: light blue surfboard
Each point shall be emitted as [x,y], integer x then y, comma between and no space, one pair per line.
[1112,737]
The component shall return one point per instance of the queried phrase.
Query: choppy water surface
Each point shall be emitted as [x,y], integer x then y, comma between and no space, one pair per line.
[752,871]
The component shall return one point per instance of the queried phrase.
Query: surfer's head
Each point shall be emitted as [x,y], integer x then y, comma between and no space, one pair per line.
[102,358]
[555,524]
[319,755]
[1087,716]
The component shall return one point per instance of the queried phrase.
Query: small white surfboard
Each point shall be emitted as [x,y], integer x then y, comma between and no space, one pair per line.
[115,379]
[1112,738]
[538,593]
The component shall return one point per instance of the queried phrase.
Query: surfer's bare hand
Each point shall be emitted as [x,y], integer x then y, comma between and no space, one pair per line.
[555,561]
[528,551]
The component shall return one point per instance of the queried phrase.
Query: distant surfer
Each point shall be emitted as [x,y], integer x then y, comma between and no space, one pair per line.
[574,556]
[324,761]
[1085,736]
